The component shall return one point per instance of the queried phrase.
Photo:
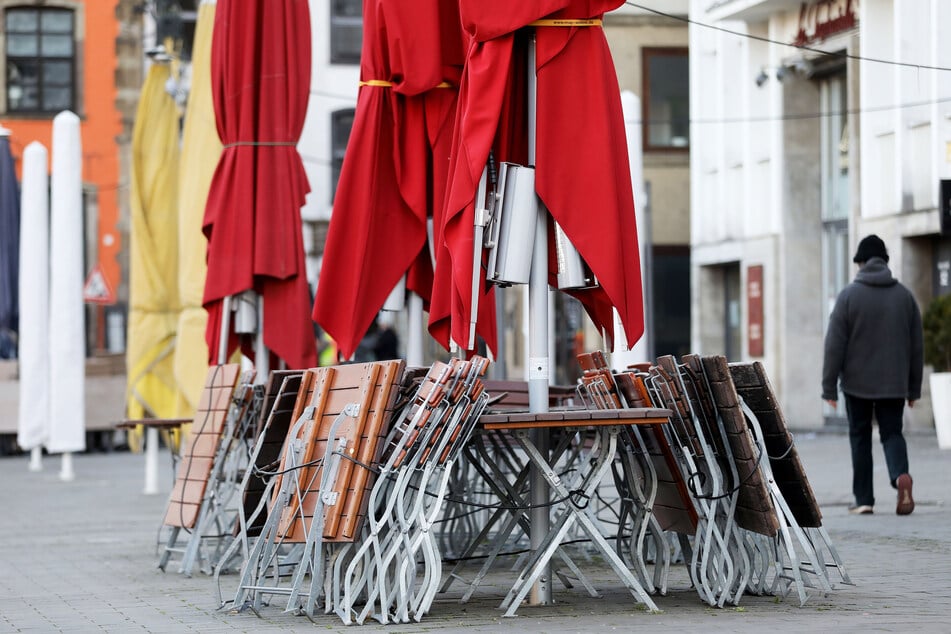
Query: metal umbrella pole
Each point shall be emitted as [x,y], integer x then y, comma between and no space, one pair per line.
[538,360]
[414,330]
[225,327]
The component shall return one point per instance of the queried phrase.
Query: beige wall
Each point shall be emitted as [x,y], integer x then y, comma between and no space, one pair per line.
[667,173]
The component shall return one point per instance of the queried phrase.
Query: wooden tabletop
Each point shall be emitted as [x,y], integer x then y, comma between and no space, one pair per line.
[576,418]
[155,423]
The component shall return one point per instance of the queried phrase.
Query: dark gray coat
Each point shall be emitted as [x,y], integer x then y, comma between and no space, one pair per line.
[874,341]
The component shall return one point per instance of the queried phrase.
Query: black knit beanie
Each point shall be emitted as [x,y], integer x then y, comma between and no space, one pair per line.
[871,246]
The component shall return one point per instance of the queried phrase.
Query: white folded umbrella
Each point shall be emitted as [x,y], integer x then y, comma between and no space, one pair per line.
[34,415]
[67,337]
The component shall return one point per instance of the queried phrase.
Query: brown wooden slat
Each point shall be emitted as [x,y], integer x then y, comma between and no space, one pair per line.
[198,457]
[754,507]
[753,385]
[293,525]
[352,429]
[372,387]
[355,506]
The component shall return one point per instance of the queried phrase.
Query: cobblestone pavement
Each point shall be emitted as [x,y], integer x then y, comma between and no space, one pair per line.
[80,557]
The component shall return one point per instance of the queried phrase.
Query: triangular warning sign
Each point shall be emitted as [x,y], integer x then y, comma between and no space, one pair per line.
[97,290]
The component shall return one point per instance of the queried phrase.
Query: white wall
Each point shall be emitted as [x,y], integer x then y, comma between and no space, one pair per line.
[332,87]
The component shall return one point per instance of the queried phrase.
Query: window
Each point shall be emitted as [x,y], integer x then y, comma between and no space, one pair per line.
[666,99]
[346,31]
[175,20]
[40,49]
[341,122]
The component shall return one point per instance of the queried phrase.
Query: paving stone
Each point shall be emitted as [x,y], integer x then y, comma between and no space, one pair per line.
[81,556]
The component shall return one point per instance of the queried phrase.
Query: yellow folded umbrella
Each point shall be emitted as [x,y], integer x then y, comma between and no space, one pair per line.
[153,267]
[201,149]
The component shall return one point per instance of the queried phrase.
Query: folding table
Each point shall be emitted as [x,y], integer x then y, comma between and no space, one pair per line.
[570,497]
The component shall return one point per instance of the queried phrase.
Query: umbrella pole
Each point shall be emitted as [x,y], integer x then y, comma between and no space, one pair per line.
[36,458]
[414,330]
[66,473]
[626,352]
[478,242]
[538,372]
[262,358]
[151,461]
[223,333]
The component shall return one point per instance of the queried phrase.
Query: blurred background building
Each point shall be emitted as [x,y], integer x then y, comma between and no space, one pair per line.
[800,151]
[763,163]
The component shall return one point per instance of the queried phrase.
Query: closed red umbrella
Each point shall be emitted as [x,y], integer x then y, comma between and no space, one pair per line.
[375,233]
[260,82]
[426,53]
[395,170]
[582,174]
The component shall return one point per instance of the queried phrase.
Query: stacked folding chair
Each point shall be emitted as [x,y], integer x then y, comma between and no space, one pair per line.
[277,411]
[395,572]
[206,495]
[758,526]
[653,495]
[802,552]
[316,495]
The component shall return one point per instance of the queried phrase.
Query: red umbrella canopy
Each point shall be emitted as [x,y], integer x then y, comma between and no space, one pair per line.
[426,51]
[378,227]
[260,67]
[424,43]
[582,174]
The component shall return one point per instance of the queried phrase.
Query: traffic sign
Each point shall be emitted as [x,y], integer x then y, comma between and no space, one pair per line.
[96,290]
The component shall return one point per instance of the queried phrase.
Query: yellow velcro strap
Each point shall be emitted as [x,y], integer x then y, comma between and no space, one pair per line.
[566,22]
[381,83]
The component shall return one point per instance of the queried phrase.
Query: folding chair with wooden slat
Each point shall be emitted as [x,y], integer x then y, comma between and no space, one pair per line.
[280,396]
[712,567]
[397,570]
[203,502]
[342,409]
[802,538]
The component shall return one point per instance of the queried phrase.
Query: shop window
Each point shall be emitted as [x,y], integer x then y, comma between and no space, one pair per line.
[346,31]
[175,20]
[40,60]
[340,124]
[666,99]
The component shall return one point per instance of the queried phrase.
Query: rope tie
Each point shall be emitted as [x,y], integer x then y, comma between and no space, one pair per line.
[259,144]
[382,83]
[565,22]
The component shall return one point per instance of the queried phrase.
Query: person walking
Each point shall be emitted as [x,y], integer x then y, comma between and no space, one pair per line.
[874,346]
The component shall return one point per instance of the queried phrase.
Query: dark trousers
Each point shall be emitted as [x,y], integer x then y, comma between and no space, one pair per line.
[888,412]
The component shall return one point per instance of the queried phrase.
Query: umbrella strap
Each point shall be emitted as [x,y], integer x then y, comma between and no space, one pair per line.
[382,83]
[252,143]
[566,22]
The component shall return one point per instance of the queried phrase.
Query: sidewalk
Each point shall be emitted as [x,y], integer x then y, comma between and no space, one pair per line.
[80,557]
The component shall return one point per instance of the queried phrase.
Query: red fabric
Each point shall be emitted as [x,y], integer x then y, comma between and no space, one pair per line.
[378,226]
[424,41]
[260,73]
[582,173]
[391,184]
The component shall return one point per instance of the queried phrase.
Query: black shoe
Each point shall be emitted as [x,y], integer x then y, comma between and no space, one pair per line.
[906,503]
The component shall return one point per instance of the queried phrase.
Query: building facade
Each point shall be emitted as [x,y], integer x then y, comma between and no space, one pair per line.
[813,124]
